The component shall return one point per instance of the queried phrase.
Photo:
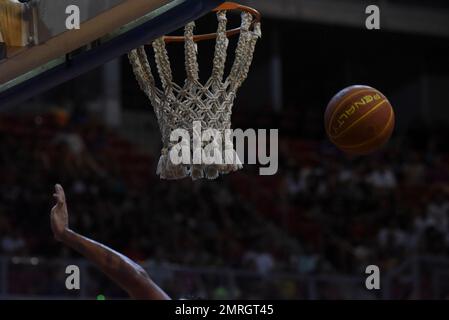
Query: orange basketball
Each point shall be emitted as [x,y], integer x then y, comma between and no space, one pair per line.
[359,120]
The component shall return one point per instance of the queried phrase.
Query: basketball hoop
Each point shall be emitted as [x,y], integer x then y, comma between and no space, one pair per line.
[227,6]
[210,104]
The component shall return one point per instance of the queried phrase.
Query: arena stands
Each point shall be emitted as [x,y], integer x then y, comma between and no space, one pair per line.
[322,214]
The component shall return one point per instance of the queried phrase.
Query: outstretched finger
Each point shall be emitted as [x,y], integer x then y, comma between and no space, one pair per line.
[59,194]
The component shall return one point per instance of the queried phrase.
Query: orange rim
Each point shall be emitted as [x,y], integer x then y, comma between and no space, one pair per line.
[227,6]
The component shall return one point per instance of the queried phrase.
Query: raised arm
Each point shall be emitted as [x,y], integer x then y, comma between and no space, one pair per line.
[123,271]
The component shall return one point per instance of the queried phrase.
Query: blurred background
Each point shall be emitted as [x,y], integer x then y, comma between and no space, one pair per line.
[307,232]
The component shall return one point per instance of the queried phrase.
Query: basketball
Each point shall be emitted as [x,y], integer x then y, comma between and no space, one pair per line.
[359,120]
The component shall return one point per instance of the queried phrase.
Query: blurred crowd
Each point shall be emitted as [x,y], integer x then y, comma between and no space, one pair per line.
[323,213]
[361,211]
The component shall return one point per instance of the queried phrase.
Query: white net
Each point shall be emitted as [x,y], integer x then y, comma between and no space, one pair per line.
[195,106]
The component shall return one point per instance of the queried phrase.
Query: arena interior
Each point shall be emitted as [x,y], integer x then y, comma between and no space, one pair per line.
[307,232]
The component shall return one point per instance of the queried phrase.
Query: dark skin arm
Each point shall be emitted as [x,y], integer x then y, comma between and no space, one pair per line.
[123,271]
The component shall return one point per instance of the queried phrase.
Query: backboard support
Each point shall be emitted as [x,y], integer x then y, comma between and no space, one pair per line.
[22,76]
